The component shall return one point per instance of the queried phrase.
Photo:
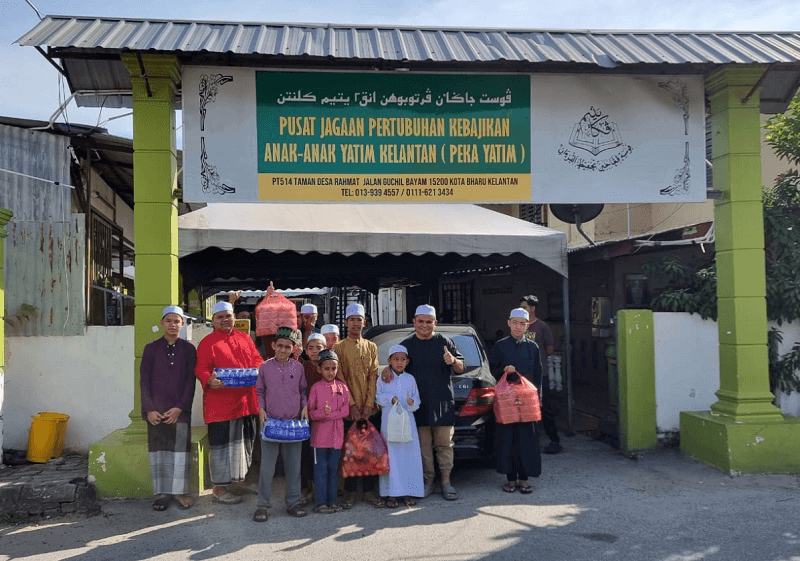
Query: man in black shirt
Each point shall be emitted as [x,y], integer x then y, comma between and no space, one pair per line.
[432,356]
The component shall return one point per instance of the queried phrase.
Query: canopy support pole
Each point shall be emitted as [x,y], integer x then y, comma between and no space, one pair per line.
[567,349]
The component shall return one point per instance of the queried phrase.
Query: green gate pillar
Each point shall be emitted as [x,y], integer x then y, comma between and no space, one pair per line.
[743,431]
[119,462]
[637,380]
[5,216]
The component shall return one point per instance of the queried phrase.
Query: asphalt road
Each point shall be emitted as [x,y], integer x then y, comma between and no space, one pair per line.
[590,503]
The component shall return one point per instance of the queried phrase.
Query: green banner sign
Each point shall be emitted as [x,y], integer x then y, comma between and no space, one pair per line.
[396,136]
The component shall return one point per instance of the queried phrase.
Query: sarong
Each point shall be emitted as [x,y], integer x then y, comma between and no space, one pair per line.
[169,449]
[231,448]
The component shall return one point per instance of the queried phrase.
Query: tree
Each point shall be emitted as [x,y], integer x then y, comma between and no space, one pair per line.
[693,290]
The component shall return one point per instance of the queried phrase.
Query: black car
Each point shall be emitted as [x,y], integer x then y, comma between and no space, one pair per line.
[473,389]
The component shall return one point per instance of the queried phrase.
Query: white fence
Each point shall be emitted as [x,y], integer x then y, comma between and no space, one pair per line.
[90,378]
[687,367]
[87,377]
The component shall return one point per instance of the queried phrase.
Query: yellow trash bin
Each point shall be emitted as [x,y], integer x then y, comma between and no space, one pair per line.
[46,438]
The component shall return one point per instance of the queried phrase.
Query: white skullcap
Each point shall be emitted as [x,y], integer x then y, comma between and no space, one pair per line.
[425,310]
[398,349]
[329,328]
[222,307]
[308,309]
[172,310]
[316,337]
[354,310]
[519,313]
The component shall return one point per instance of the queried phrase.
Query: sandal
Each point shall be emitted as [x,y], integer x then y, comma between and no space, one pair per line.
[410,501]
[374,500]
[510,487]
[261,515]
[183,502]
[227,498]
[162,503]
[296,512]
[525,488]
[336,508]
[348,501]
[391,502]
[324,509]
[449,493]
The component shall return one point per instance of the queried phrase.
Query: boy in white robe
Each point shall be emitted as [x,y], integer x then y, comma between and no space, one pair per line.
[404,479]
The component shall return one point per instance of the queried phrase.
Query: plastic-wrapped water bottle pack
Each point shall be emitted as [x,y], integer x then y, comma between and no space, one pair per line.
[279,430]
[237,377]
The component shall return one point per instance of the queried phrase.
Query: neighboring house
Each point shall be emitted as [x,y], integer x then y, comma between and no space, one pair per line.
[69,292]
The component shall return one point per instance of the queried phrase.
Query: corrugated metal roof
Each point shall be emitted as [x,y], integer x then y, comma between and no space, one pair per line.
[327,46]
[604,48]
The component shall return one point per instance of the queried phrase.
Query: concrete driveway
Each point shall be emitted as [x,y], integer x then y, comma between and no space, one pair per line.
[591,503]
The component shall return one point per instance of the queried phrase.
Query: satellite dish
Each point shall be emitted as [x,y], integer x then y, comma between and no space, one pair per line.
[577,214]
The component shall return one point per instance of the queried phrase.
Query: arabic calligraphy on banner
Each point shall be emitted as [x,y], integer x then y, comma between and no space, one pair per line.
[392,137]
[255,135]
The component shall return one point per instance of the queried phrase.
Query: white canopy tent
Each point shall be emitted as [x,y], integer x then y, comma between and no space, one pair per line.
[372,229]
[360,243]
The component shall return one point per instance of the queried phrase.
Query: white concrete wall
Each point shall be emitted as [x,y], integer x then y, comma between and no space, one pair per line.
[87,377]
[789,403]
[687,366]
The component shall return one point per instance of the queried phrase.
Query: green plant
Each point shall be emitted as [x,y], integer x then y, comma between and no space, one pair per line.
[782,245]
[689,288]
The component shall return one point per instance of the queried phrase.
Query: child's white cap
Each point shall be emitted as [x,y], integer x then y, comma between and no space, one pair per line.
[354,310]
[329,328]
[519,313]
[398,349]
[316,337]
[172,310]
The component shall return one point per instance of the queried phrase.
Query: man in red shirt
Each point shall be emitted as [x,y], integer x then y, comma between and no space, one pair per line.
[231,413]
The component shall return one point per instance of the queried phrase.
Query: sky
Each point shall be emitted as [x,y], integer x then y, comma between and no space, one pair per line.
[31,88]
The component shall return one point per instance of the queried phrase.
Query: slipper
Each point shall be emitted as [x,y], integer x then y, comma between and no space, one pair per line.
[410,501]
[391,502]
[510,487]
[348,501]
[324,509]
[179,502]
[374,500]
[525,488]
[428,491]
[336,508]
[162,503]
[261,515]
[449,493]
[296,512]
[228,498]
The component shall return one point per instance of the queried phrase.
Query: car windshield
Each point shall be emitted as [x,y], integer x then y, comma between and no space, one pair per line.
[465,343]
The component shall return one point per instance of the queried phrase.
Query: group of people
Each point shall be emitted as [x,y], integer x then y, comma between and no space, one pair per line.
[331,383]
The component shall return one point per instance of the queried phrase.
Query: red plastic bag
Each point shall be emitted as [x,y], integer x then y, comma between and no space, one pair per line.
[274,311]
[365,451]
[516,403]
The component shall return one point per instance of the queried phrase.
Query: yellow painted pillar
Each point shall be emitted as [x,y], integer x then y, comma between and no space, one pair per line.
[119,462]
[743,431]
